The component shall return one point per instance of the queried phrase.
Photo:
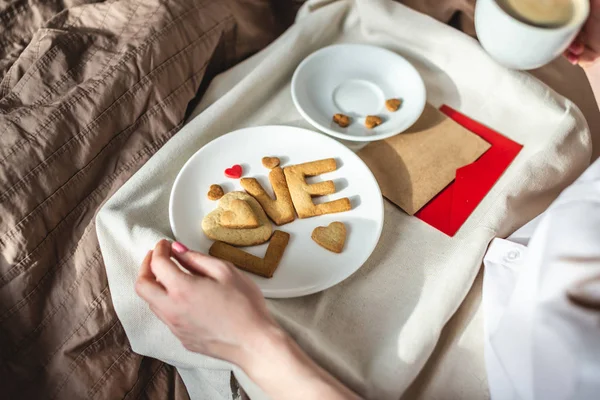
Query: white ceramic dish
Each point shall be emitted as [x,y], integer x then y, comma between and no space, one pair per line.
[306,267]
[356,80]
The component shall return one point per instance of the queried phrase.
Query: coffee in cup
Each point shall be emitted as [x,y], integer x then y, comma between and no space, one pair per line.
[541,13]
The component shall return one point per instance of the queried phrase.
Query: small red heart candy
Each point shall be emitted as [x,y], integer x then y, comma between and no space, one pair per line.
[234,172]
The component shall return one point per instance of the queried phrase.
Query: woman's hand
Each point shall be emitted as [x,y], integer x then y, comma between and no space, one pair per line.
[585,49]
[218,311]
[214,309]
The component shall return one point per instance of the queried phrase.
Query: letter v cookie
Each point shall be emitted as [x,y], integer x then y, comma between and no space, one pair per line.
[280,210]
[302,192]
[264,267]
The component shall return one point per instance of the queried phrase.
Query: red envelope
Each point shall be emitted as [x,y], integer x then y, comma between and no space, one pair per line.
[453,205]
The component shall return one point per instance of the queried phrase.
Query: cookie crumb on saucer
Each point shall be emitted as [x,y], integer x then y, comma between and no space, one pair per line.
[372,121]
[342,120]
[393,104]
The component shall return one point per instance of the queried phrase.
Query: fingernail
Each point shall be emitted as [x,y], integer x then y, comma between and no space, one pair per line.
[575,46]
[179,247]
[573,59]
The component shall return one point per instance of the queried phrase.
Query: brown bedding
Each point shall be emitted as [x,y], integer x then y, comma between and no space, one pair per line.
[85,99]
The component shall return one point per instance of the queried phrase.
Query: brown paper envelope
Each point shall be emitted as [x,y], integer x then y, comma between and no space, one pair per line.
[414,166]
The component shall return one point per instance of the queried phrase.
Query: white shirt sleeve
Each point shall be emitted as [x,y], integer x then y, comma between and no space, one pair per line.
[539,344]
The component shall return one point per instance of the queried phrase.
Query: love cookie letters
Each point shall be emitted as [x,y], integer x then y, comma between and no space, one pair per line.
[280,210]
[302,192]
[264,267]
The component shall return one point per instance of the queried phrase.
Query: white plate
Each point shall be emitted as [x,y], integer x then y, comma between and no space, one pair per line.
[356,80]
[306,267]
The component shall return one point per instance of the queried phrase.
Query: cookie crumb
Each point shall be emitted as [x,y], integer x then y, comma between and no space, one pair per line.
[342,120]
[393,104]
[372,121]
[215,192]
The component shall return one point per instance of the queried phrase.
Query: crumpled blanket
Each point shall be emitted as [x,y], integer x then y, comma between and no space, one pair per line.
[85,99]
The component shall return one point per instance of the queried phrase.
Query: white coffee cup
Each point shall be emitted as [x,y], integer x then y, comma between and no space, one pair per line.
[518,45]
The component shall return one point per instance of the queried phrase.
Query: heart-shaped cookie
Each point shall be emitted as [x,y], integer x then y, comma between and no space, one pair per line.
[239,216]
[342,120]
[331,237]
[234,172]
[270,162]
[372,121]
[215,192]
[213,228]
[393,104]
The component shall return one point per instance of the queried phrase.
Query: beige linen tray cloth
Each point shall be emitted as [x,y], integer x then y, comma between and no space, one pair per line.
[376,330]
